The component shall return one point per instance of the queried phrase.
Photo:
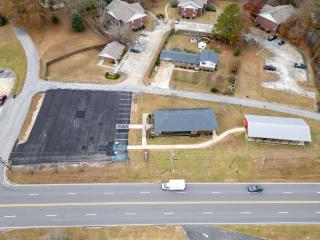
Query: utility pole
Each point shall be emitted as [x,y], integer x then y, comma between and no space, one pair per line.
[9,167]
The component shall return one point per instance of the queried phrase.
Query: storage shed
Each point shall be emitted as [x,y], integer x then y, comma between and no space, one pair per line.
[278,130]
[184,121]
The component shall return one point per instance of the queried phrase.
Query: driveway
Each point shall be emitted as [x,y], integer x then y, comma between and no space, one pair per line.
[283,59]
[136,64]
[163,76]
[197,232]
[194,27]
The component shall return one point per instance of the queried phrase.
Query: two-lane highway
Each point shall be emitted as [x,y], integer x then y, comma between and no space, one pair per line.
[131,204]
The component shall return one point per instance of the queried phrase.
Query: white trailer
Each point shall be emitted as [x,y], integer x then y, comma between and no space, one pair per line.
[174,185]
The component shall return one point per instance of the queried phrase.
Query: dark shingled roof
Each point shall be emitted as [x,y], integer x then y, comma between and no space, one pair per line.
[184,120]
[182,57]
[206,55]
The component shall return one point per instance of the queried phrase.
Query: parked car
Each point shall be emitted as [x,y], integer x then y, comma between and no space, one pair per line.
[300,65]
[177,21]
[143,34]
[269,68]
[255,188]
[135,50]
[272,37]
[2,99]
[281,42]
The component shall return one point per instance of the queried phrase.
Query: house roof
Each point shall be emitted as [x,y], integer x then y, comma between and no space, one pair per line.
[124,11]
[184,120]
[112,50]
[279,128]
[207,55]
[277,14]
[182,57]
[197,3]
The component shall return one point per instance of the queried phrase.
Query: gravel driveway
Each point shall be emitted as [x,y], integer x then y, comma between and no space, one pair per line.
[283,59]
[163,76]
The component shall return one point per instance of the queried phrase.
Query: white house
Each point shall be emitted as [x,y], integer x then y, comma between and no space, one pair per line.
[208,59]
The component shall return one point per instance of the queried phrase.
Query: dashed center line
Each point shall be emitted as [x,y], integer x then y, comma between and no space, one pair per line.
[51,215]
[282,212]
[108,193]
[206,213]
[33,194]
[91,214]
[169,213]
[317,212]
[287,192]
[71,193]
[216,192]
[245,212]
[11,216]
[145,192]
[131,213]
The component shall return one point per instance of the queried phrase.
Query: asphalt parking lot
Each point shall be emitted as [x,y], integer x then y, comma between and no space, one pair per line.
[76,126]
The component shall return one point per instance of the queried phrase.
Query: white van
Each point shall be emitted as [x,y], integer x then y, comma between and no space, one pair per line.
[174,185]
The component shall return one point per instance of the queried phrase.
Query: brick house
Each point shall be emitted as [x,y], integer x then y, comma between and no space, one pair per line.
[123,13]
[191,8]
[270,18]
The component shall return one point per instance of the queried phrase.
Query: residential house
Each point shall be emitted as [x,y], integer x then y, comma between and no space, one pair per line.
[112,52]
[121,12]
[270,18]
[206,59]
[192,121]
[191,8]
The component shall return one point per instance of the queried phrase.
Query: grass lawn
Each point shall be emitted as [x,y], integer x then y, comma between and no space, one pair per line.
[279,232]
[251,76]
[181,41]
[12,56]
[232,160]
[110,233]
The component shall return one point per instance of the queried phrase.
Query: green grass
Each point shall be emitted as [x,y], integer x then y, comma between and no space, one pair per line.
[12,56]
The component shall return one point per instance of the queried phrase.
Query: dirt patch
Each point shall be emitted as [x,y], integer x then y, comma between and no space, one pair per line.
[31,117]
[232,160]
[6,85]
[12,57]
[106,233]
[251,76]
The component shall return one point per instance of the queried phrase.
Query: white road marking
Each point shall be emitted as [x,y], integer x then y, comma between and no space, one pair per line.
[318,192]
[11,216]
[245,212]
[33,194]
[287,192]
[91,214]
[71,193]
[317,212]
[216,192]
[282,212]
[131,213]
[205,235]
[108,193]
[145,192]
[206,213]
[123,118]
[169,213]
[51,215]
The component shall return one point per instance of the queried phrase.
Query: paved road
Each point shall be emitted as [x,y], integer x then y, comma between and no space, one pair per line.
[66,205]
[130,204]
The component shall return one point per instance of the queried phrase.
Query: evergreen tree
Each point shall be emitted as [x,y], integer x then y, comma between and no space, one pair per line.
[77,23]
[229,24]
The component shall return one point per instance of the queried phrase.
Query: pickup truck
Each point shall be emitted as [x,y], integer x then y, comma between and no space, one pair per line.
[174,185]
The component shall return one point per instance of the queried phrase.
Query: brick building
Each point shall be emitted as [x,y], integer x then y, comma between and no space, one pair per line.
[270,18]
[121,12]
[191,8]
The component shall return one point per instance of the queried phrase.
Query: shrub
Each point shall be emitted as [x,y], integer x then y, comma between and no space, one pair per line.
[160,16]
[77,23]
[174,3]
[112,76]
[158,62]
[55,19]
[214,90]
[210,7]
[237,52]
[3,21]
